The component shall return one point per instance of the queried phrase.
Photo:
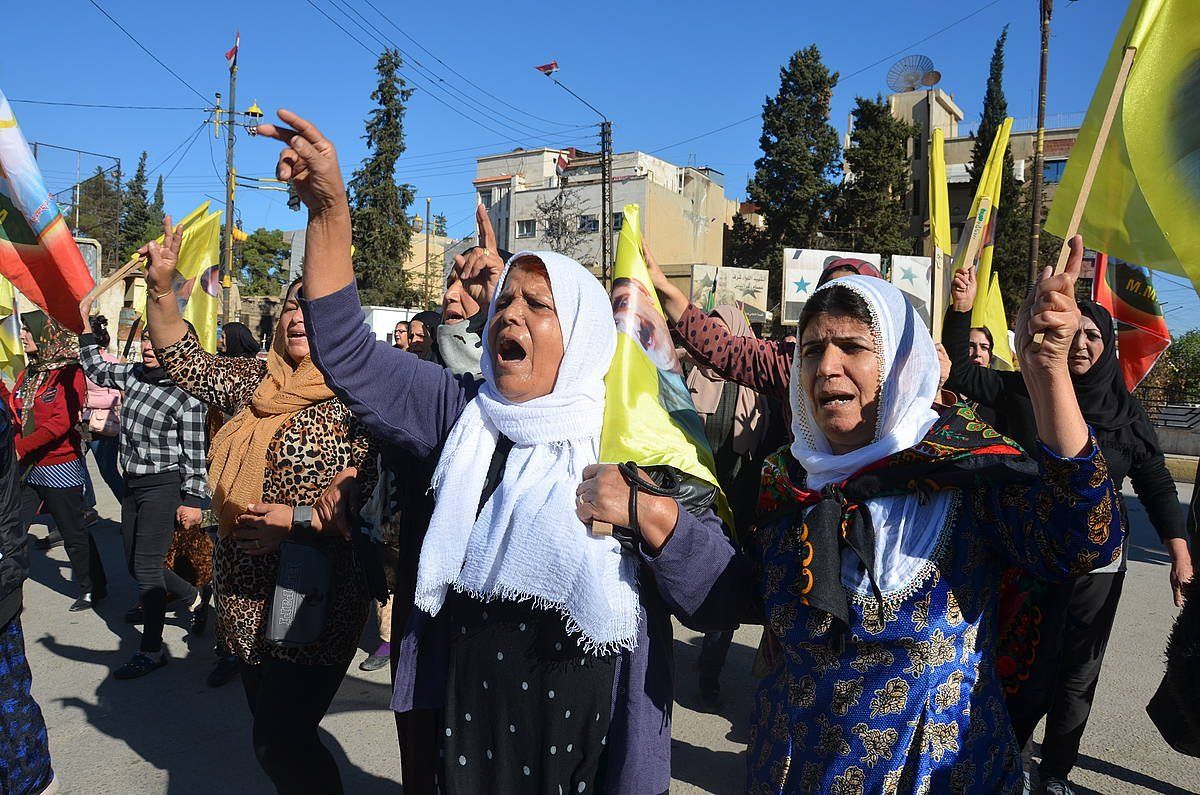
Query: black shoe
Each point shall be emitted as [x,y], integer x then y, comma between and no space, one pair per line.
[140,665]
[85,602]
[135,615]
[50,541]
[223,671]
[373,663]
[198,621]
[90,517]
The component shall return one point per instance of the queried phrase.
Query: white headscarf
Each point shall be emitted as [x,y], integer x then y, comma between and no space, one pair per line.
[527,543]
[906,531]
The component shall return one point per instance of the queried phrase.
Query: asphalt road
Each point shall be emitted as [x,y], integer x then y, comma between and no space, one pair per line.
[169,733]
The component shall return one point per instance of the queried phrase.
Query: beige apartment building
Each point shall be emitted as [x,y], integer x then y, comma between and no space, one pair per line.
[934,108]
[685,212]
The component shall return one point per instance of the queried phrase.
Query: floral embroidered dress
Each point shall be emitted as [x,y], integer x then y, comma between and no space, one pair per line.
[307,451]
[907,699]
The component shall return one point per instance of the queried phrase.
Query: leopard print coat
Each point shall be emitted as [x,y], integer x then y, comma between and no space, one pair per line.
[308,450]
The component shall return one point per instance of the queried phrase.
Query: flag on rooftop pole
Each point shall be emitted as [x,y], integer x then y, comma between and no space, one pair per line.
[37,251]
[976,248]
[648,413]
[231,55]
[1145,196]
[1128,294]
[548,68]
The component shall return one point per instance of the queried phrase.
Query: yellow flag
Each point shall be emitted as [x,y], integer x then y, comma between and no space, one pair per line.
[648,413]
[1145,198]
[12,353]
[199,265]
[989,306]
[187,222]
[939,200]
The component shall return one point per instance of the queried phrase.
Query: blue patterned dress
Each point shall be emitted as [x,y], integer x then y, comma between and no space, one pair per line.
[912,702]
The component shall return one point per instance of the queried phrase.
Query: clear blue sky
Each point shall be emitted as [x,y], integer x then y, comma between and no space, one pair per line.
[663,72]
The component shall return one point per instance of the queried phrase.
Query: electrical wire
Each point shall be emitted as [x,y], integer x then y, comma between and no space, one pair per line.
[466,79]
[855,73]
[195,135]
[105,107]
[191,136]
[146,50]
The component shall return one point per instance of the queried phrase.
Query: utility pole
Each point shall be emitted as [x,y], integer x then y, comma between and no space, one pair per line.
[1035,225]
[606,208]
[230,175]
[428,291]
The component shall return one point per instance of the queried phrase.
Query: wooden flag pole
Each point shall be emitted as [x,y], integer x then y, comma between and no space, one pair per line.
[1089,176]
[937,312]
[116,276]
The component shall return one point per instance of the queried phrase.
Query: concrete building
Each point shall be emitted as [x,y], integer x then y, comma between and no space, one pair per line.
[934,108]
[684,209]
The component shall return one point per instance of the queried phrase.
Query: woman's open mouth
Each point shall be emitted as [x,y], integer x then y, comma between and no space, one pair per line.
[833,399]
[509,351]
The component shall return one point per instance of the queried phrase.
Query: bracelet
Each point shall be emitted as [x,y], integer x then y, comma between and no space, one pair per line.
[157,296]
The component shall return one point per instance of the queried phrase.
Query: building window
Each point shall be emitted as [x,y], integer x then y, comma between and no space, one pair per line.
[527,228]
[1052,171]
[485,198]
[618,221]
[589,223]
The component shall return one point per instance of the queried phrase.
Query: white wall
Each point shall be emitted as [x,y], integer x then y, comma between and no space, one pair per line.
[383,319]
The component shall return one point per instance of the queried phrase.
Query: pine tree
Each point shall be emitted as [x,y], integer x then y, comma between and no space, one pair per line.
[1010,260]
[99,203]
[792,183]
[160,202]
[871,205]
[439,225]
[379,205]
[136,217]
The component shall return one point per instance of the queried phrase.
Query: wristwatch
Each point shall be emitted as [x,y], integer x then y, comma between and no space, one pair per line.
[302,518]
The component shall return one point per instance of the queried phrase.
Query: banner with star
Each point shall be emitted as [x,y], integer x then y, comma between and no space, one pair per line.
[802,269]
[912,275]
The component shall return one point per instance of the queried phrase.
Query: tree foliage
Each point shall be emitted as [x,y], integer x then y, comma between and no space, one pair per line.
[558,220]
[872,211]
[264,262]
[138,222]
[793,180]
[1010,260]
[382,232]
[99,215]
[439,225]
[1177,372]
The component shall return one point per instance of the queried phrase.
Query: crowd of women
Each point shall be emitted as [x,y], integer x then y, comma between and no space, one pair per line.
[935,571]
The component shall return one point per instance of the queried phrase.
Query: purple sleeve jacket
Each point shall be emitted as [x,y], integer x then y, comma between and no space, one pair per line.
[697,576]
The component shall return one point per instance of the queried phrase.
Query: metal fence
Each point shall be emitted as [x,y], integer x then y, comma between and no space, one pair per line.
[1171,407]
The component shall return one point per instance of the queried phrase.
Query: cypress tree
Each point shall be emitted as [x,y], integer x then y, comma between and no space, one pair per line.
[136,216]
[99,200]
[382,232]
[793,180]
[871,207]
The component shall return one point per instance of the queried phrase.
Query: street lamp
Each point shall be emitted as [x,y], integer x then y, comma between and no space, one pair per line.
[253,115]
[605,173]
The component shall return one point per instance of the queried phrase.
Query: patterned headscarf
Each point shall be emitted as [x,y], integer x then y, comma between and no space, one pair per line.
[57,347]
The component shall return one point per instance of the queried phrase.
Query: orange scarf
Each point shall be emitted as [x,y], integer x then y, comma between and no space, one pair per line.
[237,460]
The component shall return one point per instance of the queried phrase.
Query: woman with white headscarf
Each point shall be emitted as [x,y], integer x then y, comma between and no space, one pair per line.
[883,535]
[547,647]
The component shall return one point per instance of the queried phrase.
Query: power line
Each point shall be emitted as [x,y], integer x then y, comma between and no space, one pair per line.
[191,142]
[106,107]
[456,72]
[144,49]
[191,136]
[855,73]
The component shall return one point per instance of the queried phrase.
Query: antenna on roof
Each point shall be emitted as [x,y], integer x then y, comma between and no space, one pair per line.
[911,73]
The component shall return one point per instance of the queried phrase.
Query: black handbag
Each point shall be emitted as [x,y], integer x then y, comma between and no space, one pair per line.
[303,591]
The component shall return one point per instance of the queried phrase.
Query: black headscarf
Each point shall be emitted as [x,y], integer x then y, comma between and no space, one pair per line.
[1105,402]
[239,341]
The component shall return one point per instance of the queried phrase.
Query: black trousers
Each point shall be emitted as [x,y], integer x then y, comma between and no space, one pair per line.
[147,527]
[288,701]
[1091,608]
[66,506]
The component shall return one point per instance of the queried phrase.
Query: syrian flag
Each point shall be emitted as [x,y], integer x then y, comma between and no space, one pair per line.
[548,68]
[231,55]
[561,165]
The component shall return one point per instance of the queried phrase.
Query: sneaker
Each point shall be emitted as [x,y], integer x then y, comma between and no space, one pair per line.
[84,602]
[378,658]
[198,621]
[51,541]
[1057,786]
[223,671]
[141,664]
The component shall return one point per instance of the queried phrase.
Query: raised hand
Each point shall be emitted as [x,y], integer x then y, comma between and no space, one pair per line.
[674,302]
[480,268]
[963,288]
[309,162]
[163,257]
[1050,310]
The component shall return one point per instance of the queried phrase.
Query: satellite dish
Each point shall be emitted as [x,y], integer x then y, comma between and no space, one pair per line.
[912,72]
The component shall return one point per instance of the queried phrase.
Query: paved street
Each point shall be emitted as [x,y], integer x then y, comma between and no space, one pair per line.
[168,733]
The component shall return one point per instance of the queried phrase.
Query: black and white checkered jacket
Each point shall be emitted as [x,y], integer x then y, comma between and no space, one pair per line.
[162,427]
